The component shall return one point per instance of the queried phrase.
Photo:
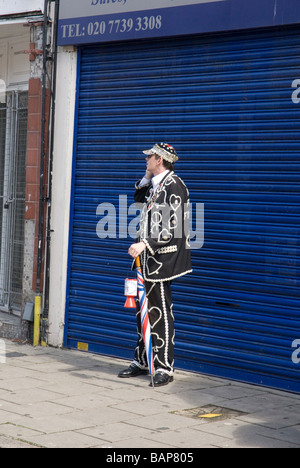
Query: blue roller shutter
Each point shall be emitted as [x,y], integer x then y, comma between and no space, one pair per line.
[225,103]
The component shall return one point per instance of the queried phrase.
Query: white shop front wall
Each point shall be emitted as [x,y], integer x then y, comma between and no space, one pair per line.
[13,7]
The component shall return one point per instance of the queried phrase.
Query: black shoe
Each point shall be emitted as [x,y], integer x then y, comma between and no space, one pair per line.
[132,371]
[161,379]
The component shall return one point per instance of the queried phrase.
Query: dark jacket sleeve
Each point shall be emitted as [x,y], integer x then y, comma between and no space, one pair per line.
[141,192]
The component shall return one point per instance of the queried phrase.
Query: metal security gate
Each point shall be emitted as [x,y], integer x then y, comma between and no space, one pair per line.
[13,140]
[225,103]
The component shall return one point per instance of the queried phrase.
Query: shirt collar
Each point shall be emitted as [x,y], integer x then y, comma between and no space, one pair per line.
[157,179]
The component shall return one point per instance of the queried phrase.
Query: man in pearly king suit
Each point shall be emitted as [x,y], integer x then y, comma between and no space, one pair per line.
[164,246]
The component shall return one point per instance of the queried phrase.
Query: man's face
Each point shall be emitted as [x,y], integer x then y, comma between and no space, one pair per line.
[152,163]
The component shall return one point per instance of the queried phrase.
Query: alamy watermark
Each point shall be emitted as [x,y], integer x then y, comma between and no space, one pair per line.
[169,220]
[2,352]
[296,93]
[296,353]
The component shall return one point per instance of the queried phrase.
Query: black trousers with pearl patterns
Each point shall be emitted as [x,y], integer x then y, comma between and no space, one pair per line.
[160,309]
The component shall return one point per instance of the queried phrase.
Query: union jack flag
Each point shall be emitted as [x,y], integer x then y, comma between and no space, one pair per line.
[146,327]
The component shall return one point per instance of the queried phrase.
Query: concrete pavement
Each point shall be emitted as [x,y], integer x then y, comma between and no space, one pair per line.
[64,398]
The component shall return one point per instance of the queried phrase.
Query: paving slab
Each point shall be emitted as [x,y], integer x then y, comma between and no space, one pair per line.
[7,442]
[59,398]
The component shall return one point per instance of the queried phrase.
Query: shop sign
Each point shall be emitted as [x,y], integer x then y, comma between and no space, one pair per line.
[94,21]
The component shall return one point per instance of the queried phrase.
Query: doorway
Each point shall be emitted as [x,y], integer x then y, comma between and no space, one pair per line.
[13,144]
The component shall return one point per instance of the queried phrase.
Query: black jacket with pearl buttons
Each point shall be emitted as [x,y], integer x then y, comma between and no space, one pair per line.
[164,228]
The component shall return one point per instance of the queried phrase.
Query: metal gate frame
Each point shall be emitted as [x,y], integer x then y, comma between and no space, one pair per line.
[12,200]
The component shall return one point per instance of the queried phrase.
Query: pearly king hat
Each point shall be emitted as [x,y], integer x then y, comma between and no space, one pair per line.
[167,152]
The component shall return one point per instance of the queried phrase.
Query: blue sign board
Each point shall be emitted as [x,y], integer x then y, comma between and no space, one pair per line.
[95,21]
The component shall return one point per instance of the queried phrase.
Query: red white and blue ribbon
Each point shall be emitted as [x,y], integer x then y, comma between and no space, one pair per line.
[146,327]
